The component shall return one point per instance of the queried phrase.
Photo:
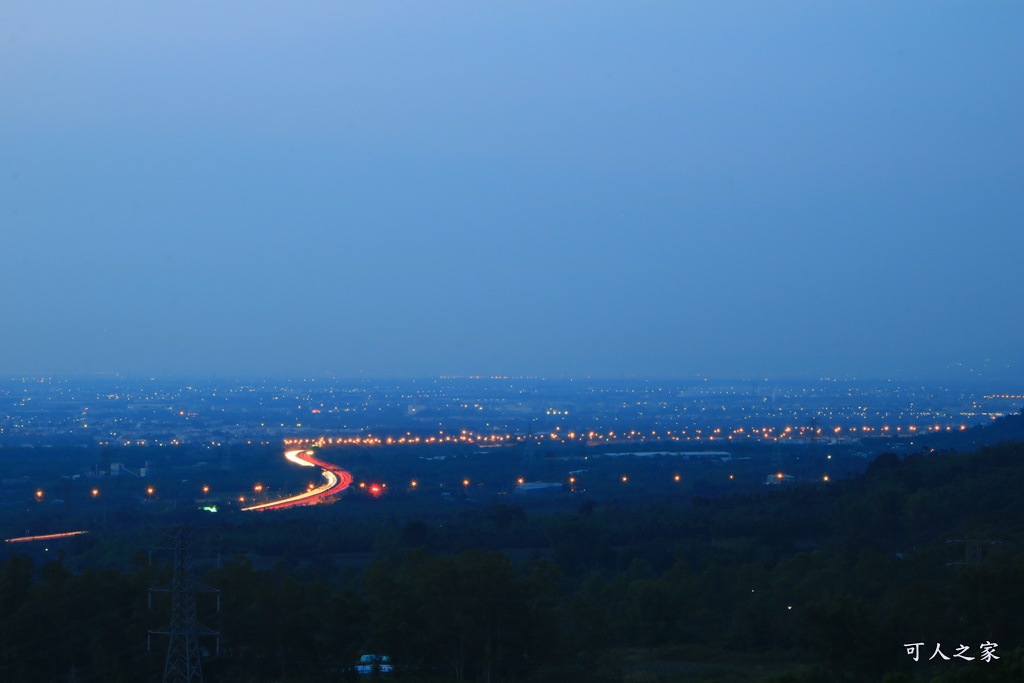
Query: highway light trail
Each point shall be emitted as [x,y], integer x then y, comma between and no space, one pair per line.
[44,537]
[336,481]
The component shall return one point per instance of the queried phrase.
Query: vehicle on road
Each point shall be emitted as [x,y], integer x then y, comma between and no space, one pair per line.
[367,664]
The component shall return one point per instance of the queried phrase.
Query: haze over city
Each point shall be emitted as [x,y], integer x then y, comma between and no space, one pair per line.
[522,342]
[571,190]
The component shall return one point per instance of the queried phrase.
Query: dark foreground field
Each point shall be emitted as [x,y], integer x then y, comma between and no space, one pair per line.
[810,581]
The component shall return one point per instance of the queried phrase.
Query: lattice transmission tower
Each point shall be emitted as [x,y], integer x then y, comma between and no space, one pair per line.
[184,656]
[975,550]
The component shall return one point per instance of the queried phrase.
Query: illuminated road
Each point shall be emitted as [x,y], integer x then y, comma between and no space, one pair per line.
[45,537]
[337,480]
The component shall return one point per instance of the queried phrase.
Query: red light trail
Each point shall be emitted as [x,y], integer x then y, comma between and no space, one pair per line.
[337,480]
[44,537]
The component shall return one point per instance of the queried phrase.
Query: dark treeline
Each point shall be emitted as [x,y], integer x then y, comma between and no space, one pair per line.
[821,582]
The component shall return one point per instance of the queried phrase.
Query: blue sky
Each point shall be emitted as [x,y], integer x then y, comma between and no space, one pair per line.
[555,189]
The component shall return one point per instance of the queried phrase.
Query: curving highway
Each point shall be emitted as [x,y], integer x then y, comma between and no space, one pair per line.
[336,481]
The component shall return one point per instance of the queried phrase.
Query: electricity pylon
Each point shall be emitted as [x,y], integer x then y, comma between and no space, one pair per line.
[184,658]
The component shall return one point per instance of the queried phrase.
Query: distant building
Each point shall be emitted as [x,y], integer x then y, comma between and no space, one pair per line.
[534,488]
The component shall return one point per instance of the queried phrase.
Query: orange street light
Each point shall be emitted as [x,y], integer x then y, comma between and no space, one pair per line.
[95,492]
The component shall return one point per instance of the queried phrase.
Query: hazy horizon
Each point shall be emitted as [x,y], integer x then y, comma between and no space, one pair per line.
[968,379]
[580,190]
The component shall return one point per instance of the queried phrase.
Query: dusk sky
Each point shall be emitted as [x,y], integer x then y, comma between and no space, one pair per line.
[606,189]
